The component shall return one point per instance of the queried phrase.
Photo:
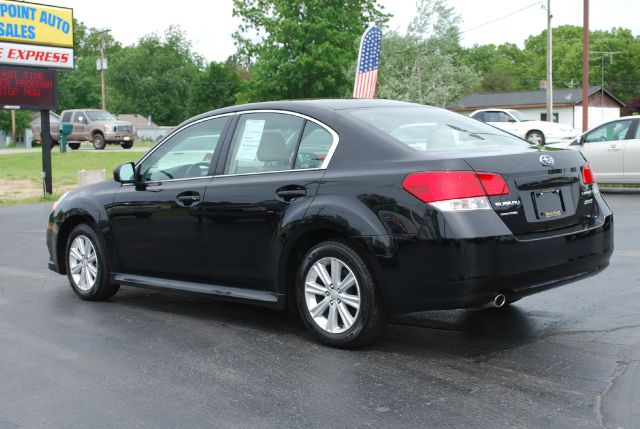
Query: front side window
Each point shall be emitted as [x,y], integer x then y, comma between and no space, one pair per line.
[264,142]
[186,154]
[66,117]
[613,131]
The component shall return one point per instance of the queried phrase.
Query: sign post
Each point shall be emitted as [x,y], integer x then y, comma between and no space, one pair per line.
[46,152]
[35,40]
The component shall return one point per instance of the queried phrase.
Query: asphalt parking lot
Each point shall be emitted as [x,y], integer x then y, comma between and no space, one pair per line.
[567,358]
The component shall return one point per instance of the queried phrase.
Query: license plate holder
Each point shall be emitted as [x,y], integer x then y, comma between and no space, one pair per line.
[548,203]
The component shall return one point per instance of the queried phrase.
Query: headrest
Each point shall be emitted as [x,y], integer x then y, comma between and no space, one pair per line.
[272,147]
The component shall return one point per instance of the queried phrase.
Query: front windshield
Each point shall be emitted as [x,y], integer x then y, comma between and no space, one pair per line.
[522,117]
[100,115]
[428,128]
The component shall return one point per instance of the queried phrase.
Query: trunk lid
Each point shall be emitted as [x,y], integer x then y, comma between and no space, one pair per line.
[547,192]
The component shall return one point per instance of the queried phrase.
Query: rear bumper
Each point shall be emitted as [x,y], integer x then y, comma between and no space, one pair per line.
[460,273]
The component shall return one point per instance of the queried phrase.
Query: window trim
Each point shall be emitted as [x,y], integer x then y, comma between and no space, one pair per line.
[325,163]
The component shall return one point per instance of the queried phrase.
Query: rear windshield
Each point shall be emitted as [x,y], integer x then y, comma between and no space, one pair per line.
[428,128]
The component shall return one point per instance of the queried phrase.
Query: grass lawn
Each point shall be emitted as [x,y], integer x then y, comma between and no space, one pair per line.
[21,177]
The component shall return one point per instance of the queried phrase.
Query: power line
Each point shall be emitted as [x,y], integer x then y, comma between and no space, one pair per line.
[503,17]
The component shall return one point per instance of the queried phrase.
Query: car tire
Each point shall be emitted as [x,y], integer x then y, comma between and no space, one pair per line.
[337,296]
[98,141]
[126,145]
[87,265]
[74,146]
[536,137]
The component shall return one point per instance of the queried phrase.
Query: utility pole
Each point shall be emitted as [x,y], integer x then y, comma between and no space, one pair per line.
[585,66]
[603,55]
[13,126]
[549,65]
[102,33]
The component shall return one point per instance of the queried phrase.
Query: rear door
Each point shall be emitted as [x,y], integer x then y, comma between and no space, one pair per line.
[604,148]
[632,154]
[157,223]
[272,171]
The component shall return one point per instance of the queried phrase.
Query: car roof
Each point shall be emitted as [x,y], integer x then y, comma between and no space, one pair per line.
[323,104]
[308,107]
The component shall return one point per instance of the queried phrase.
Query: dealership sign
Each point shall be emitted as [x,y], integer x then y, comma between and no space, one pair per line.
[36,35]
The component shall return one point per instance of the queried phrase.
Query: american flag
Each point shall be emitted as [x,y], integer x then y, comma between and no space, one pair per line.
[368,61]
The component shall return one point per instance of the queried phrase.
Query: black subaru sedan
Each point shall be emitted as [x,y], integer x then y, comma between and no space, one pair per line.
[346,210]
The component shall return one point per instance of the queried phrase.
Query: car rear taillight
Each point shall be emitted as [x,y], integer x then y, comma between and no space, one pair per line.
[587,175]
[455,190]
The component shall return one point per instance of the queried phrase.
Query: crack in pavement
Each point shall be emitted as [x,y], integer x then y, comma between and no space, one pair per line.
[622,364]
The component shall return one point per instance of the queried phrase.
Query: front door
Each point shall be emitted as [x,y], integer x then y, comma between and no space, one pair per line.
[272,172]
[604,149]
[158,223]
[632,155]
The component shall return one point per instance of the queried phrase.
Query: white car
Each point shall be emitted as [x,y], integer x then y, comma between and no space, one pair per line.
[523,126]
[612,149]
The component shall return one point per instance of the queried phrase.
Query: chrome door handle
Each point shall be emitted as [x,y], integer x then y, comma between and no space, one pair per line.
[188,199]
[291,192]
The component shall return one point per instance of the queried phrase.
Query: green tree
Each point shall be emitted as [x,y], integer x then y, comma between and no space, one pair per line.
[23,120]
[216,86]
[305,47]
[426,65]
[155,77]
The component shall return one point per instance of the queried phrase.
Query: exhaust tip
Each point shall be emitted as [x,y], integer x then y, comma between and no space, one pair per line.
[500,300]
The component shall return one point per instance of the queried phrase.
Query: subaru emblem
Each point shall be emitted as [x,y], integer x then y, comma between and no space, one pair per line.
[547,160]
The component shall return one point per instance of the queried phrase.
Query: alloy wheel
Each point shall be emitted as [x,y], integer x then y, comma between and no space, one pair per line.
[83,263]
[332,295]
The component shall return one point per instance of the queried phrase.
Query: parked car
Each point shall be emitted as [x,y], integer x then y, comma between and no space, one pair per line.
[523,126]
[91,125]
[336,208]
[54,121]
[613,149]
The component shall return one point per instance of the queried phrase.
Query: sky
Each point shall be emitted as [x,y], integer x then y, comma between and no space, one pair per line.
[209,23]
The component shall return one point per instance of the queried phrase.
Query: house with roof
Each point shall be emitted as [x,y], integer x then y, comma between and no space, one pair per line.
[145,128]
[567,105]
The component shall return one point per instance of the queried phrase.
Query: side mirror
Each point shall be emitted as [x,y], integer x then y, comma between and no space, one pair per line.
[125,173]
[579,141]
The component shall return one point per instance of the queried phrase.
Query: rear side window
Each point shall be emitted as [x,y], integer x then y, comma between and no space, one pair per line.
[264,142]
[314,146]
[429,128]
